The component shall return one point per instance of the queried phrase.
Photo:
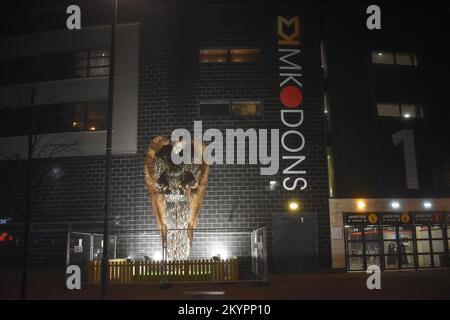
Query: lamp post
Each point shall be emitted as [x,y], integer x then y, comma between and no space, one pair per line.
[105,257]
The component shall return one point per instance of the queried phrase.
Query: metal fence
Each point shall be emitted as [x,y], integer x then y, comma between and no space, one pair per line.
[215,255]
[220,254]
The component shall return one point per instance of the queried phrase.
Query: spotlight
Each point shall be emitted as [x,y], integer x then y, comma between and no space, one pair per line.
[395,204]
[293,205]
[361,204]
[427,205]
[406,115]
[157,256]
[216,258]
[272,185]
[218,252]
[380,53]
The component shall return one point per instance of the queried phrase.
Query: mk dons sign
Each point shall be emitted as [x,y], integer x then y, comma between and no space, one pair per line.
[291,98]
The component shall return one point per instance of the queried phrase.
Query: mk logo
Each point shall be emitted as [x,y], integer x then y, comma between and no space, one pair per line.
[286,38]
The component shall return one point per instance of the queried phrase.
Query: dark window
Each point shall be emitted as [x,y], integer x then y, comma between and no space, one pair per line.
[79,116]
[56,66]
[214,108]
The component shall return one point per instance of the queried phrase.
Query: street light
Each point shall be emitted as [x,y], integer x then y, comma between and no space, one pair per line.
[105,257]
[293,205]
[361,204]
[427,205]
[395,204]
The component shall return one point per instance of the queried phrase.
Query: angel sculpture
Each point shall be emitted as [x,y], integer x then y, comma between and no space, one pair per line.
[176,193]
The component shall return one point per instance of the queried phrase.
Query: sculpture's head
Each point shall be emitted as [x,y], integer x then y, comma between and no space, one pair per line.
[175,181]
[176,191]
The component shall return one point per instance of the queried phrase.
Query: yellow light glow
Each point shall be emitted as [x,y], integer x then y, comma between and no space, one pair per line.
[361,204]
[293,205]
[92,128]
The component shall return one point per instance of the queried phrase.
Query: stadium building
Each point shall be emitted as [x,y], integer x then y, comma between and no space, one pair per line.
[363,171]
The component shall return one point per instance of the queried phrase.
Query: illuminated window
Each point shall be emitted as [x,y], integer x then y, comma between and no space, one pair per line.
[246,108]
[92,63]
[89,116]
[388,109]
[409,111]
[406,59]
[228,55]
[213,55]
[98,63]
[227,108]
[382,57]
[55,66]
[244,55]
[397,110]
[397,58]
[54,118]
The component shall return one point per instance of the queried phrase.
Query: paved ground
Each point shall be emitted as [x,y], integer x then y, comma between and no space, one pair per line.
[427,284]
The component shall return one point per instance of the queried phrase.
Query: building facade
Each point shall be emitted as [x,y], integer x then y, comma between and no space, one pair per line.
[353,119]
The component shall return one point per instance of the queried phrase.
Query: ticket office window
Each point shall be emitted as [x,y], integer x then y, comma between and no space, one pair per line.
[372,248]
[406,244]
[355,248]
[398,247]
[390,246]
[363,247]
[431,250]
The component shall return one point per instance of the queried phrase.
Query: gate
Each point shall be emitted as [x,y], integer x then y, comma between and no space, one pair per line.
[82,248]
[259,254]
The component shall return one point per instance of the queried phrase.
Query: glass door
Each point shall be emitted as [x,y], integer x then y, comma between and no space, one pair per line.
[363,247]
[423,247]
[372,246]
[355,248]
[398,245]
[406,247]
[431,247]
[437,246]
[390,246]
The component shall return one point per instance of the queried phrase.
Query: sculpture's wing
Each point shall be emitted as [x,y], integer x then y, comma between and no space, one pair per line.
[156,197]
[197,194]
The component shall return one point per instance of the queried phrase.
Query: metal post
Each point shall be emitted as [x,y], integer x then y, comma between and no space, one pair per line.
[68,247]
[164,250]
[264,236]
[105,258]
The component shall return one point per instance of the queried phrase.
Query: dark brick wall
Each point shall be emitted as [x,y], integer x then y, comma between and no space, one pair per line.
[172,82]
